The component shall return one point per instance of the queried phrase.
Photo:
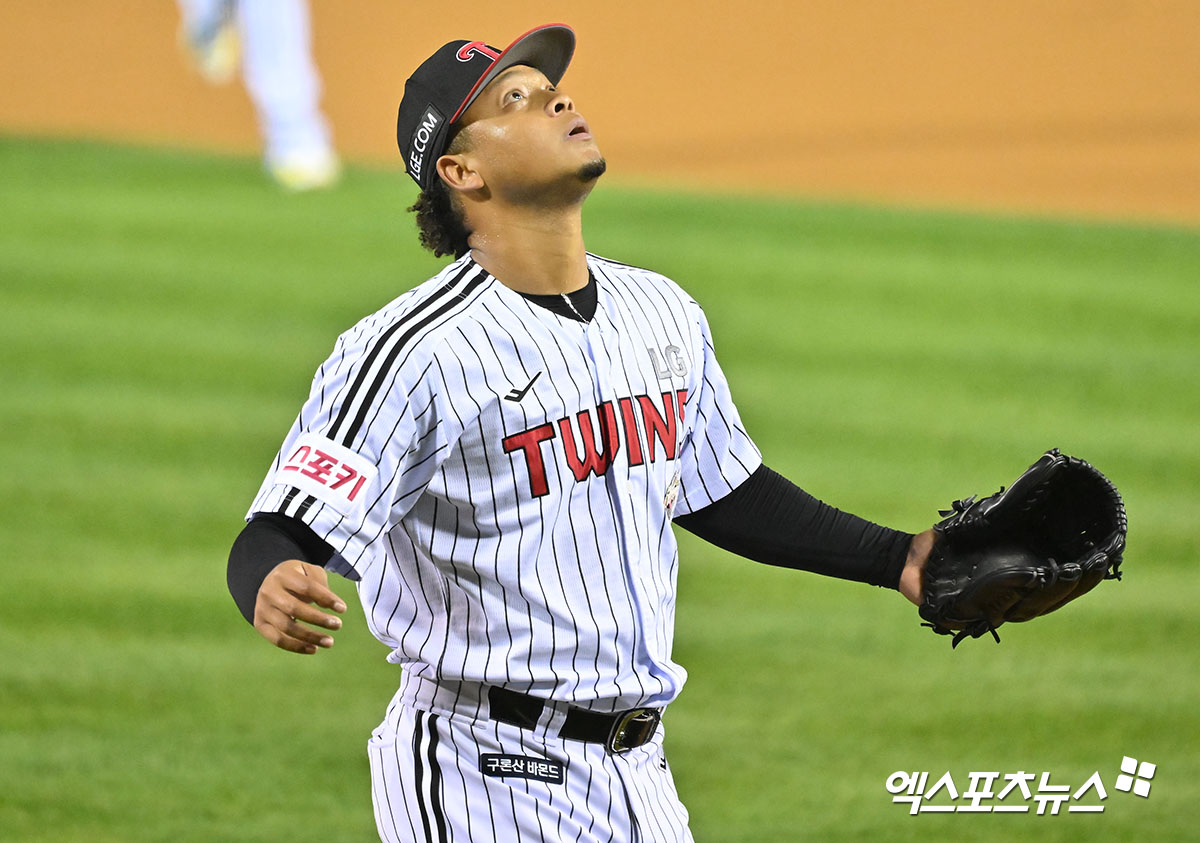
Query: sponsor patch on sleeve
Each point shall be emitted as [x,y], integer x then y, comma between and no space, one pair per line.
[331,473]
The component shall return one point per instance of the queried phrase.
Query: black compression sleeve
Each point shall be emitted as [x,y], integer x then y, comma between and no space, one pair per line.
[266,541]
[770,519]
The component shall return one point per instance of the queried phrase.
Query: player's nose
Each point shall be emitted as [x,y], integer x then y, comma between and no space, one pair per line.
[559,103]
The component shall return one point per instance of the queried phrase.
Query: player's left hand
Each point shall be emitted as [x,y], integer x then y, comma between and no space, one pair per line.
[912,576]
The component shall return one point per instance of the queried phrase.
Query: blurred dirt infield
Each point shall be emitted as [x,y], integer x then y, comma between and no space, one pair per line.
[1085,107]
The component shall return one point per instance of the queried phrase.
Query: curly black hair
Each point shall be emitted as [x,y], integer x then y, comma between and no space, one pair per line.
[440,220]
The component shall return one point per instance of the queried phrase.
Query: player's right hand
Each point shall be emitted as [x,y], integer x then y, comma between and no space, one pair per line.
[285,600]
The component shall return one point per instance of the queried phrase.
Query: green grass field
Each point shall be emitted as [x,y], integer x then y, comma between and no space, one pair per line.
[162,317]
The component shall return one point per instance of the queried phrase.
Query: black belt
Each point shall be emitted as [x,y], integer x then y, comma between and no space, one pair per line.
[619,732]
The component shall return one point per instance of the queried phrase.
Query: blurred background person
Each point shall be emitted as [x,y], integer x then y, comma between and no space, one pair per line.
[271,41]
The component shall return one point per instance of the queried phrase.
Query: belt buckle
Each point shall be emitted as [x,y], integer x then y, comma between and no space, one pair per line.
[632,729]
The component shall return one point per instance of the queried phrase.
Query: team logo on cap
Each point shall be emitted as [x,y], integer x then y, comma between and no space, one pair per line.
[468,51]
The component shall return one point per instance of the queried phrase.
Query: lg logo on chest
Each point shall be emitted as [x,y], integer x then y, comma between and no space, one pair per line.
[668,362]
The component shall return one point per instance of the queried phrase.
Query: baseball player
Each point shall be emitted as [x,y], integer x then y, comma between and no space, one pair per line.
[496,459]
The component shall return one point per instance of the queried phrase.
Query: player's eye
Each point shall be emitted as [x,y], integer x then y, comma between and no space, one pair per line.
[514,96]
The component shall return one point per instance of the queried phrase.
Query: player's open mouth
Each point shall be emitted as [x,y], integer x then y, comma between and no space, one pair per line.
[579,130]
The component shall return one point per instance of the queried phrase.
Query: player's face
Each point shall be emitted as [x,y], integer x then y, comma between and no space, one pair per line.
[526,137]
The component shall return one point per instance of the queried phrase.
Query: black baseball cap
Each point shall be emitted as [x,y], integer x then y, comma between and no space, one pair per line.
[446,84]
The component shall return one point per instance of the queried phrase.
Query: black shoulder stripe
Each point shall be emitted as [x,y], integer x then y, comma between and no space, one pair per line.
[304,507]
[398,347]
[384,342]
[287,501]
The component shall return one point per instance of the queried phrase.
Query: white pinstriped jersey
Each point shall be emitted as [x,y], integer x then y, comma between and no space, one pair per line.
[500,479]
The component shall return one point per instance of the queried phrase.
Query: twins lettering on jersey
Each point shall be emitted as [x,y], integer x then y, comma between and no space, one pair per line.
[591,439]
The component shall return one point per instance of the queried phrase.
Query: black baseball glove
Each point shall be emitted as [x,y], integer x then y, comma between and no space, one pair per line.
[1025,551]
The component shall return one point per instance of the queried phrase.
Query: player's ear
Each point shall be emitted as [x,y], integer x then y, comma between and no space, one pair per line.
[458,173]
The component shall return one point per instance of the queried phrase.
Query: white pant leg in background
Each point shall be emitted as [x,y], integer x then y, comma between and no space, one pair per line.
[278,71]
[281,78]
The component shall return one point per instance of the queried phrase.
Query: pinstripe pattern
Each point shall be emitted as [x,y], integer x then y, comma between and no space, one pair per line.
[517,531]
[629,798]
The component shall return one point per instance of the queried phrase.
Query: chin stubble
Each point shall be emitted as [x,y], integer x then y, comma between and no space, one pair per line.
[593,170]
